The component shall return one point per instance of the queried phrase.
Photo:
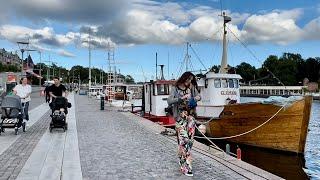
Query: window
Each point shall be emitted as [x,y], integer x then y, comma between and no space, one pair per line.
[162,89]
[217,83]
[230,81]
[206,83]
[236,83]
[224,83]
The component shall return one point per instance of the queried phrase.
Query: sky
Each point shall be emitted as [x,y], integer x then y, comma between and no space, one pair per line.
[138,29]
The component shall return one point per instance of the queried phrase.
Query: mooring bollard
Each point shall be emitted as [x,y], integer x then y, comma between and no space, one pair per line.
[238,153]
[101,103]
[227,148]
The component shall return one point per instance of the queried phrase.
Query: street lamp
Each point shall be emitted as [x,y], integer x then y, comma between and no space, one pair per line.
[24,46]
[40,69]
[89,48]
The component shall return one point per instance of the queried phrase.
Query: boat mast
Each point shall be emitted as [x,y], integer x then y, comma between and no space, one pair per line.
[224,61]
[156,66]
[187,57]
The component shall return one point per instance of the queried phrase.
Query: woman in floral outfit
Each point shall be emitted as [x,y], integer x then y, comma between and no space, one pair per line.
[183,99]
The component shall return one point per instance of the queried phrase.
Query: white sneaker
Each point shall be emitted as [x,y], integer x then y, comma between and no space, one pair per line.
[189,173]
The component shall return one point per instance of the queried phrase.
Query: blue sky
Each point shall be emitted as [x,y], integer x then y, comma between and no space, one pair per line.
[140,28]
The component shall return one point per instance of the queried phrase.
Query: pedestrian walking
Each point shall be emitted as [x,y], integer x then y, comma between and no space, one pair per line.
[183,99]
[23,90]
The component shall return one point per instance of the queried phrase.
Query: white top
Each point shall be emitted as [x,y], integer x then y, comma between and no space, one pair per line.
[22,91]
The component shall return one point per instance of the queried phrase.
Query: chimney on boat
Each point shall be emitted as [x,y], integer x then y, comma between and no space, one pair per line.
[162,76]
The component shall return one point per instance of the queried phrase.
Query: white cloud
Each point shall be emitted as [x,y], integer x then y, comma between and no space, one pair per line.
[276,27]
[151,22]
[312,29]
[93,11]
[65,53]
[45,35]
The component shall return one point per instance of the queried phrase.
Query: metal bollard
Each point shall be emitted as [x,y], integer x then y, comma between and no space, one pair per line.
[227,148]
[101,103]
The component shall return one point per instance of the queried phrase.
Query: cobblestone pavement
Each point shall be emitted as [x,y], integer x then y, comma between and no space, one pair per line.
[13,159]
[36,100]
[112,146]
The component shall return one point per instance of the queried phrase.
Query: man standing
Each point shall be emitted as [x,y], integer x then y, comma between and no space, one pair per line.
[23,90]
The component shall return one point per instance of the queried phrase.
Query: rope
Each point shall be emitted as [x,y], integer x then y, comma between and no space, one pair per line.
[246,47]
[197,57]
[215,146]
[247,132]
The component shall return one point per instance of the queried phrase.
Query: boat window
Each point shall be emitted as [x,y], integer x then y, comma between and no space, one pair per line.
[224,83]
[230,81]
[162,89]
[206,83]
[217,83]
[236,83]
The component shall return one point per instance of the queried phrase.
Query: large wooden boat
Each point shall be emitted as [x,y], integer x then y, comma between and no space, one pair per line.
[286,131]
[282,127]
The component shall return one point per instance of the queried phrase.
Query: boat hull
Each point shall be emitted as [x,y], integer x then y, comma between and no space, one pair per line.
[287,131]
[167,121]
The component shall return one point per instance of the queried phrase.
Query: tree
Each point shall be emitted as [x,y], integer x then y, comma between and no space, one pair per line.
[215,68]
[246,71]
[129,79]
[312,69]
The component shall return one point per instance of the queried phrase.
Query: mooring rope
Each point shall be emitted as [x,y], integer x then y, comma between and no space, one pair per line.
[244,133]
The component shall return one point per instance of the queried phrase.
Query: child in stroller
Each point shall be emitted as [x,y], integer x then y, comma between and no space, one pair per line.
[59,108]
[12,113]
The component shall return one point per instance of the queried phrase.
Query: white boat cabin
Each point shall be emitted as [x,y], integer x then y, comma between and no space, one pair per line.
[156,94]
[217,90]
[95,90]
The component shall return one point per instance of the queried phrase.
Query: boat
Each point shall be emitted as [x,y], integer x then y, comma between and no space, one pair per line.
[279,125]
[154,100]
[271,125]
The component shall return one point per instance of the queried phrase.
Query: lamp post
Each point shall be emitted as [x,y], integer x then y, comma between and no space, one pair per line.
[24,46]
[40,70]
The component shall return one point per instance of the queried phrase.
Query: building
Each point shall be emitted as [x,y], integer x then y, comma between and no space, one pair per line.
[119,78]
[9,58]
[266,91]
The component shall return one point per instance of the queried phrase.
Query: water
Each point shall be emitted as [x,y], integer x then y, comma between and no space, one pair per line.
[288,166]
[312,152]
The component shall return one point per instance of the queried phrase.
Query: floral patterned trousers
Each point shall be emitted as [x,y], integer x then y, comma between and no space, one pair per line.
[185,127]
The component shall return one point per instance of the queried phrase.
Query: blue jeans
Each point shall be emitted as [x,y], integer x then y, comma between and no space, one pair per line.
[26,110]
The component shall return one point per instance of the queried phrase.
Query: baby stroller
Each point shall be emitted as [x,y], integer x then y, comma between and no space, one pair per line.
[12,114]
[59,109]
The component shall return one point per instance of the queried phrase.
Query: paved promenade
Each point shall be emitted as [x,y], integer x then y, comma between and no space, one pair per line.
[107,145]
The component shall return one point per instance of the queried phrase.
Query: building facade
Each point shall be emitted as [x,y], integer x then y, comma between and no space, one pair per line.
[9,58]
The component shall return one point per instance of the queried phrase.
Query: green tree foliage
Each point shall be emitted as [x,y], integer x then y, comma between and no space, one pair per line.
[246,71]
[129,79]
[290,69]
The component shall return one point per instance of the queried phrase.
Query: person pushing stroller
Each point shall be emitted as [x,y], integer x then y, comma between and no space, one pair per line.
[57,90]
[23,90]
[59,105]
